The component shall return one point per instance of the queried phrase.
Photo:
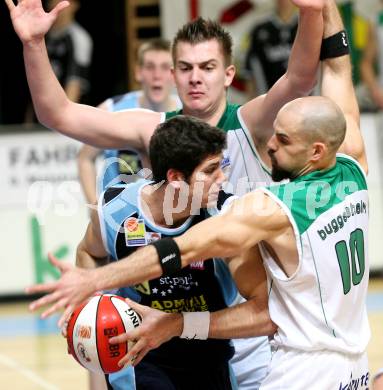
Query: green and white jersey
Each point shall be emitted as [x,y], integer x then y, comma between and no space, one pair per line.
[245,169]
[322,305]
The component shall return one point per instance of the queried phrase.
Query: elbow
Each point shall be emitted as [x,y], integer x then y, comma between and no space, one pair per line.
[270,327]
[53,117]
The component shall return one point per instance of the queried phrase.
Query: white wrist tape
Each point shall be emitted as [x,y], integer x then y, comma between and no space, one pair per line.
[196,325]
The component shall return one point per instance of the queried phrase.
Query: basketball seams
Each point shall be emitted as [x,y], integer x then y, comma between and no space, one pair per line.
[97,330]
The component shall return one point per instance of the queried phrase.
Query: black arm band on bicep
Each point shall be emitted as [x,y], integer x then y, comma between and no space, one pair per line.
[169,255]
[335,46]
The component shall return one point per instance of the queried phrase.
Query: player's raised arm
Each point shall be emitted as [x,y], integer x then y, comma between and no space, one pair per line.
[52,107]
[337,84]
[301,74]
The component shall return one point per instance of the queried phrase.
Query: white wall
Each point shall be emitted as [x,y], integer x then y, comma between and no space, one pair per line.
[41,207]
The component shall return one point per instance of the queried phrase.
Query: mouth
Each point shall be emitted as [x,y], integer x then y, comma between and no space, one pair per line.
[195,94]
[157,88]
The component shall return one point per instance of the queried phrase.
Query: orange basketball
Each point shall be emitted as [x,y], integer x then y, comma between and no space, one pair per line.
[91,326]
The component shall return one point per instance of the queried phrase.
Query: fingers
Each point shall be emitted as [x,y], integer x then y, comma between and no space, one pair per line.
[60,304]
[64,328]
[10,4]
[137,358]
[124,337]
[60,265]
[59,7]
[64,319]
[41,288]
[53,297]
[140,309]
[135,354]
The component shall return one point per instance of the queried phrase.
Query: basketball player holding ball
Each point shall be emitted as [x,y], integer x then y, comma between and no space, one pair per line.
[186,157]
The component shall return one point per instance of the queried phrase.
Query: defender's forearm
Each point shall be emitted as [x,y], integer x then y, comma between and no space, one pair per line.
[142,265]
[304,58]
[49,98]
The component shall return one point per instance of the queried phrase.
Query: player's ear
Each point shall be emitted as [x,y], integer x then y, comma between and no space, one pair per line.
[229,75]
[174,178]
[319,151]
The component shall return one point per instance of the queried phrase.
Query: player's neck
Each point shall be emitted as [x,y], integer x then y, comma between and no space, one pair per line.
[321,165]
[160,204]
[211,115]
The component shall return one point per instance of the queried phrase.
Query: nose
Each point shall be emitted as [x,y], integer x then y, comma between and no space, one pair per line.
[221,177]
[272,144]
[195,76]
[157,73]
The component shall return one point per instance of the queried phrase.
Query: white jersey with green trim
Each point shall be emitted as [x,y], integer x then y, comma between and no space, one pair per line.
[243,166]
[322,305]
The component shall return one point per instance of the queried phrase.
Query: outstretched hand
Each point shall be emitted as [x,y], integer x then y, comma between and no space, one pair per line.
[156,328]
[29,19]
[73,288]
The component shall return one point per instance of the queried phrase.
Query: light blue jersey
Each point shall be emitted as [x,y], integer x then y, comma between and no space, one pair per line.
[201,286]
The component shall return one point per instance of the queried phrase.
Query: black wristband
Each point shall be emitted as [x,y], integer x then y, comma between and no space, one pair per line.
[169,255]
[335,46]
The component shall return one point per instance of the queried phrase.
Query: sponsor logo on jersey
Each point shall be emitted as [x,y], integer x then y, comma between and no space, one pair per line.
[338,223]
[197,265]
[135,232]
[143,288]
[194,303]
[152,236]
[356,384]
[131,224]
[168,285]
[225,162]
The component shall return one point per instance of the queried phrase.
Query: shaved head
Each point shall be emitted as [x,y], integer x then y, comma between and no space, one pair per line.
[318,119]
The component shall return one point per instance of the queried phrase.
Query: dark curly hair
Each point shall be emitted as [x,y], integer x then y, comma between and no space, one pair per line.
[182,143]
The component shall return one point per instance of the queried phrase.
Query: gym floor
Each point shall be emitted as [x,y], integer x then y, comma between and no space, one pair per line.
[33,354]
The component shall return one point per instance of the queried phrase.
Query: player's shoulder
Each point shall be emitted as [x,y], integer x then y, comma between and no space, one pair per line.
[123,193]
[126,100]
[352,169]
